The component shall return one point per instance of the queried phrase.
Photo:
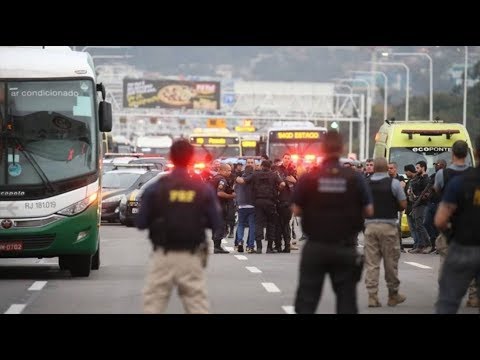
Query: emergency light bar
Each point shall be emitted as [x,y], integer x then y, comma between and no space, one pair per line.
[446,132]
[148,166]
[110,155]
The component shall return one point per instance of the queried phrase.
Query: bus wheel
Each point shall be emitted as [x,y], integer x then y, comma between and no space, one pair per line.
[96,259]
[63,262]
[80,265]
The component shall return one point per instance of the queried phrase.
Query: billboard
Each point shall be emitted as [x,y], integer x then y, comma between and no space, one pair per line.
[171,94]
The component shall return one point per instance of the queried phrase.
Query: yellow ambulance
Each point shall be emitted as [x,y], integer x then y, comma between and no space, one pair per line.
[408,142]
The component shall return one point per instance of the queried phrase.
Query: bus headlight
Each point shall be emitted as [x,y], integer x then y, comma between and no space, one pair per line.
[79,206]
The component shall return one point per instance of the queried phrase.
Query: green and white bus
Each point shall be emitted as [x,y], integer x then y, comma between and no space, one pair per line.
[50,151]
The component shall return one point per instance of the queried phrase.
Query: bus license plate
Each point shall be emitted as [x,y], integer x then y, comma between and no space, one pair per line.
[11,246]
[134,210]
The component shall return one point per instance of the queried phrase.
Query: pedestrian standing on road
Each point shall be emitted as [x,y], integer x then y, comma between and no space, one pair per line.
[177,209]
[246,209]
[419,189]
[381,234]
[442,178]
[332,202]
[410,173]
[265,187]
[458,214]
[225,194]
[432,205]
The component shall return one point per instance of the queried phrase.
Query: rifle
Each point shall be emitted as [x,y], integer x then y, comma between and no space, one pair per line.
[421,196]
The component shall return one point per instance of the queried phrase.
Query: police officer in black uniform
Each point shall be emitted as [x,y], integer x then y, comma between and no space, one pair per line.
[265,186]
[177,209]
[458,215]
[231,205]
[288,174]
[332,202]
[225,194]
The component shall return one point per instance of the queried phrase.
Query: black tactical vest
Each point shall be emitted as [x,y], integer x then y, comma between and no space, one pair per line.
[385,205]
[449,174]
[467,215]
[334,211]
[264,185]
[179,213]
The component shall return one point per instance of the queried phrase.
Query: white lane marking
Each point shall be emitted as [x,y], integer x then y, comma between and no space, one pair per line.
[229,248]
[417,265]
[359,245]
[37,285]
[253,269]
[241,257]
[271,287]
[15,309]
[289,309]
[224,241]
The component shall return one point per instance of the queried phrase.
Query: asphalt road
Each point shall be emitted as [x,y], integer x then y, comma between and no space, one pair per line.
[237,283]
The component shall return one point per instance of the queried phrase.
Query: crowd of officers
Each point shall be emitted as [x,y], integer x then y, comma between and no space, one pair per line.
[262,196]
[336,203]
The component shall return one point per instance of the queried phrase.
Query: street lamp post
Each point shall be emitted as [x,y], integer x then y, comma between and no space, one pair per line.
[386,54]
[368,112]
[407,82]
[385,82]
[350,125]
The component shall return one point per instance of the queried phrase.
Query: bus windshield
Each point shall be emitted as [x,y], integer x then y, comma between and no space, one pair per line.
[411,155]
[216,151]
[299,142]
[277,150]
[48,131]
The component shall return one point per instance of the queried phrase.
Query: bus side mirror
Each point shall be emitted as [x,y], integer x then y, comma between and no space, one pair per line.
[105,116]
[101,88]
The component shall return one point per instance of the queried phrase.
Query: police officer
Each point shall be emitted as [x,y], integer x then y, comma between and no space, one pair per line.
[265,186]
[432,205]
[225,194]
[457,213]
[381,234]
[176,210]
[231,205]
[442,178]
[288,174]
[332,202]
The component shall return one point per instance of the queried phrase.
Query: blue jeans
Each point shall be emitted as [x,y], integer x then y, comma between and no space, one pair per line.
[461,265]
[423,239]
[430,211]
[246,216]
[411,226]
